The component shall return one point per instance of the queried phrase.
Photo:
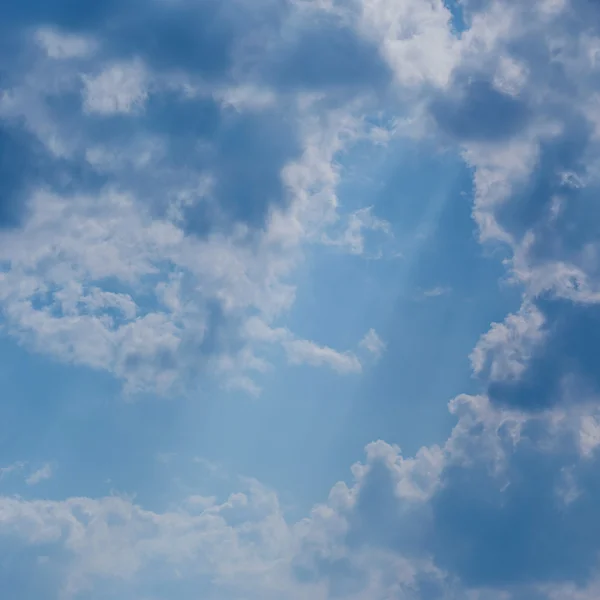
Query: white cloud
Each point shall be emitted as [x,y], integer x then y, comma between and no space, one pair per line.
[43,473]
[243,545]
[113,538]
[119,88]
[589,435]
[16,466]
[246,97]
[96,279]
[511,76]
[414,37]
[99,280]
[373,343]
[60,45]
[504,165]
[352,235]
[55,290]
[256,329]
[508,346]
[79,321]
[436,291]
[500,170]
[243,383]
[306,352]
[415,479]
[563,278]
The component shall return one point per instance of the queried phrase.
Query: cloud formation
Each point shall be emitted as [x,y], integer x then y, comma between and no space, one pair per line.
[166,176]
[410,527]
[166,209]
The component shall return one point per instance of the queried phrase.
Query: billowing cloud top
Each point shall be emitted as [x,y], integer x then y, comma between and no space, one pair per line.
[241,240]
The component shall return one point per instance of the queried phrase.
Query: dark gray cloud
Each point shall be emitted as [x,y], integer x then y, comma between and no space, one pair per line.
[491,535]
[380,520]
[18,159]
[475,111]
[324,55]
[243,152]
[562,369]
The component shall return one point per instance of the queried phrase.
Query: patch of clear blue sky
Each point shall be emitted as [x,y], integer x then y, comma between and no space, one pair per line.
[458,19]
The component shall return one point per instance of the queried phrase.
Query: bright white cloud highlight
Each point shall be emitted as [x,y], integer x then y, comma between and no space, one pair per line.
[507,346]
[306,352]
[414,37]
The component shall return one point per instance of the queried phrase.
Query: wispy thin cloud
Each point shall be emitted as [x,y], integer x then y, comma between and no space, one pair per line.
[373,343]
[16,466]
[436,291]
[41,474]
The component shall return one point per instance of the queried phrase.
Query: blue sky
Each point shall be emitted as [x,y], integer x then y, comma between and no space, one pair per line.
[299,299]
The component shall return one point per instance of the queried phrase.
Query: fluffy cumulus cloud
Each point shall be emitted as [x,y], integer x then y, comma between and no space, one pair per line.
[164,171]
